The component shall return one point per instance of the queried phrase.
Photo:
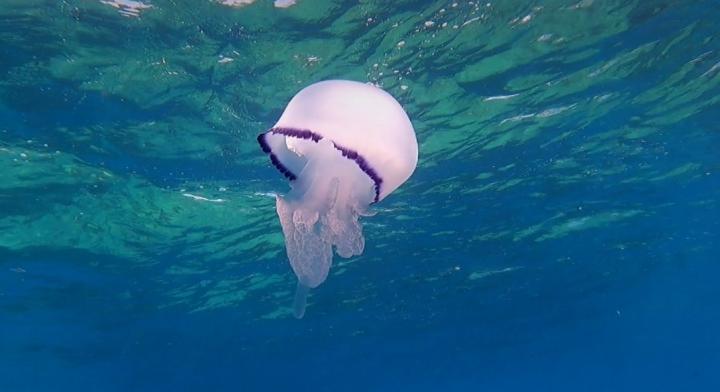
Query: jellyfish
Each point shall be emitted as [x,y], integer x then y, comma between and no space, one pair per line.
[343,146]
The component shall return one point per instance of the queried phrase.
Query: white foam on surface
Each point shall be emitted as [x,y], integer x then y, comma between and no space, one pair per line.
[201,198]
[284,3]
[129,8]
[236,3]
[500,97]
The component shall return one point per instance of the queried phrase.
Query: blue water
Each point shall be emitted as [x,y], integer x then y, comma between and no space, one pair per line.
[561,231]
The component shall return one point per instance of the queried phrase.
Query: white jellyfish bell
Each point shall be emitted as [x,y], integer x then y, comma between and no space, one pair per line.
[343,145]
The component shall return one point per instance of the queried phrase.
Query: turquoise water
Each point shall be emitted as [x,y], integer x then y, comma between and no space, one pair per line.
[559,233]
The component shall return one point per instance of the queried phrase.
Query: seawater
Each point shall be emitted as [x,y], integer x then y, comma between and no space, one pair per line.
[559,234]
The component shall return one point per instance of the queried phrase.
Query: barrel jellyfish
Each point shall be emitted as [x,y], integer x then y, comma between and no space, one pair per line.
[343,146]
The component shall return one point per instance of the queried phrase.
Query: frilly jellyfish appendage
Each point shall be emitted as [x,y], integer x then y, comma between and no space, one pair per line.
[343,145]
[321,211]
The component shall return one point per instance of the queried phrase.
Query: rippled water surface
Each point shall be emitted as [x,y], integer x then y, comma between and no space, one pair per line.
[560,232]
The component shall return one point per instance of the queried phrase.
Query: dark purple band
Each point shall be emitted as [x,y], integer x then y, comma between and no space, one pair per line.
[275,161]
[310,135]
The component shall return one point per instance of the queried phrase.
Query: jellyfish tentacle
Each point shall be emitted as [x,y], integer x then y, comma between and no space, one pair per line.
[300,300]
